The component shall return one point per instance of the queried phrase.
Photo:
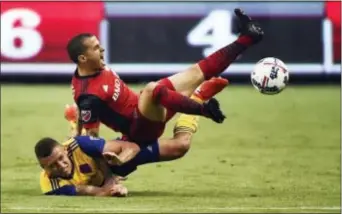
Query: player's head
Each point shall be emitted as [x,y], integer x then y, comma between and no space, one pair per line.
[53,158]
[85,50]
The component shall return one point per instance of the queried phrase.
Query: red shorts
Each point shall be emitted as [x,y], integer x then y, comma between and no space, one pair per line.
[144,131]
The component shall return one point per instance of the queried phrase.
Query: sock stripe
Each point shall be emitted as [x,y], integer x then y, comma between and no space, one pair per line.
[184,129]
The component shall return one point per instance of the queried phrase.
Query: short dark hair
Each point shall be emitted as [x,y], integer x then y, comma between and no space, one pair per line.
[44,147]
[76,47]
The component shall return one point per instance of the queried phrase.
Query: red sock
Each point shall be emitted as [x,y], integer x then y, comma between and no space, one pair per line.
[170,86]
[217,62]
[175,101]
[167,83]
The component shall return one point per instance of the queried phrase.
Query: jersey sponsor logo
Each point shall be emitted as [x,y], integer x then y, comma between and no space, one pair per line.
[105,88]
[93,138]
[85,115]
[85,168]
[117,91]
[150,148]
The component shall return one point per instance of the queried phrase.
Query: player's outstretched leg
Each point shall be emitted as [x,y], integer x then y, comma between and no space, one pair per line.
[174,97]
[213,65]
[154,101]
[187,125]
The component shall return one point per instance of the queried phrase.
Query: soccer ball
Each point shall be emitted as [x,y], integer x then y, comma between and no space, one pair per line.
[270,76]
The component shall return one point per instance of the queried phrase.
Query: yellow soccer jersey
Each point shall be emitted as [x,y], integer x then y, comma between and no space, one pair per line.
[81,151]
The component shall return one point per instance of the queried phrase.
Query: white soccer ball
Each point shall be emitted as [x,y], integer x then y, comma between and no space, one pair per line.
[270,76]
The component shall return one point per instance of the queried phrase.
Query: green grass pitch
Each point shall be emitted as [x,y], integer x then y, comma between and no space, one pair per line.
[273,154]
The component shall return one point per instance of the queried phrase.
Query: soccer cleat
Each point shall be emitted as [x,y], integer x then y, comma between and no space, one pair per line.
[248,27]
[211,109]
[70,113]
[210,88]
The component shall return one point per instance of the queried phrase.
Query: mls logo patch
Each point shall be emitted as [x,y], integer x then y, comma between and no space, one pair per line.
[85,115]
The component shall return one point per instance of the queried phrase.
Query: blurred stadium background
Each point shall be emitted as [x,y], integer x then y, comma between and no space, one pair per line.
[274,154]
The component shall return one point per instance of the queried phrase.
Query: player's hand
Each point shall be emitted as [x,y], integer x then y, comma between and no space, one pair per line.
[119,190]
[118,179]
[112,187]
[112,158]
[212,110]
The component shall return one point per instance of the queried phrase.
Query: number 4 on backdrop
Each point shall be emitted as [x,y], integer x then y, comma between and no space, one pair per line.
[214,32]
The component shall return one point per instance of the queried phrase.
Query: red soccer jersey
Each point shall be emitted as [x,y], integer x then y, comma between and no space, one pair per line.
[104,97]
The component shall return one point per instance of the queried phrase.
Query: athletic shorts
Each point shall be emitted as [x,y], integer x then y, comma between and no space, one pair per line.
[144,131]
[147,154]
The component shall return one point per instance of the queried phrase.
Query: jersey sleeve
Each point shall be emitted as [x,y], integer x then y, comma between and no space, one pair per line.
[51,186]
[92,146]
[89,111]
[64,190]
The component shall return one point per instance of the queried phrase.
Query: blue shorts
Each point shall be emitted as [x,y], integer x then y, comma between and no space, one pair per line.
[147,154]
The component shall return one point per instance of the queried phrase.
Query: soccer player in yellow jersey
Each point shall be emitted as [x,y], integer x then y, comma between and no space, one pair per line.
[84,165]
[77,166]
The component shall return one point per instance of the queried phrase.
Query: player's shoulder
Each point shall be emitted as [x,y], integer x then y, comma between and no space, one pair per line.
[45,184]
[75,142]
[45,180]
[108,71]
[91,146]
[76,146]
[55,186]
[71,145]
[87,139]
[43,176]
[70,142]
[48,184]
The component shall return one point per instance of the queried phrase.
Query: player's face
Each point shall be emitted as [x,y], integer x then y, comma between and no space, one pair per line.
[93,56]
[58,163]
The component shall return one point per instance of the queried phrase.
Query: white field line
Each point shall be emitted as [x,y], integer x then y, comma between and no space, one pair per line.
[147,209]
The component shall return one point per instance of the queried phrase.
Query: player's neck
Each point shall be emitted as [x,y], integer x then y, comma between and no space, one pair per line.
[84,71]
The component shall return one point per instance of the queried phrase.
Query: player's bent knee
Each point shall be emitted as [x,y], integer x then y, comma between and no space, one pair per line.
[149,88]
[183,146]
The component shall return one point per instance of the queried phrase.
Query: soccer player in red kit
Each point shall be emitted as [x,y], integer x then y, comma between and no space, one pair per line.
[162,149]
[102,96]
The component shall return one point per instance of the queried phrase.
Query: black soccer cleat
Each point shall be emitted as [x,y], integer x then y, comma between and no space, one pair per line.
[249,27]
[212,110]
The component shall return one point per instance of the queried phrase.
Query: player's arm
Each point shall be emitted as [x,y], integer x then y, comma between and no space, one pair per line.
[110,188]
[102,166]
[115,152]
[118,153]
[89,110]
[51,186]
[89,190]
[110,179]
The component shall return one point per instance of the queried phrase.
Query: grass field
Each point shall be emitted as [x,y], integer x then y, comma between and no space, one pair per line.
[273,154]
